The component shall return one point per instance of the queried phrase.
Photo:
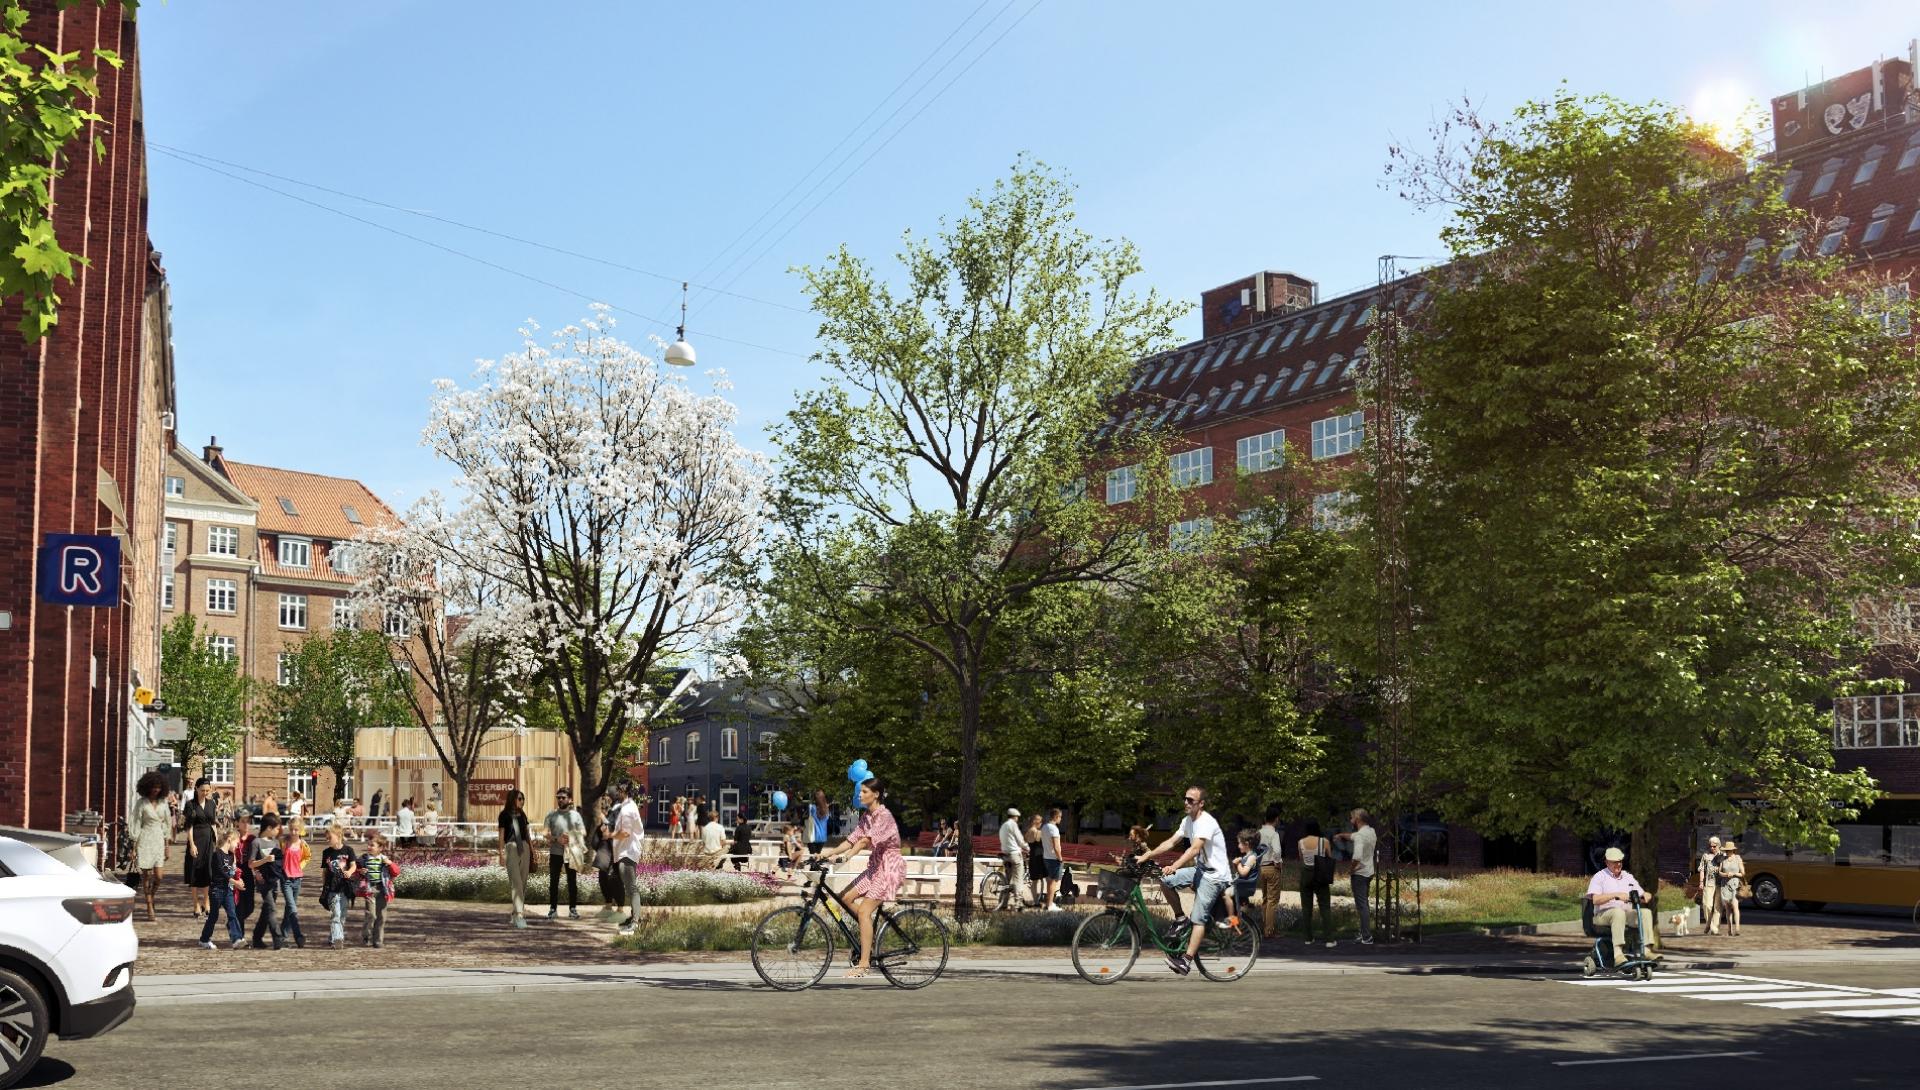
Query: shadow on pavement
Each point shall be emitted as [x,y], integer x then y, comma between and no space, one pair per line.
[47,1072]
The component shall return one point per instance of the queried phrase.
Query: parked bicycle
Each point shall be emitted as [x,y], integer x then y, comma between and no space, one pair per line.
[1106,945]
[793,946]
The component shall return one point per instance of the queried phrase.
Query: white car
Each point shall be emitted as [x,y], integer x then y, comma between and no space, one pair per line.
[66,954]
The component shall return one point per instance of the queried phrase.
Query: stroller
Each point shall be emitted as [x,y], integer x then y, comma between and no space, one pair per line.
[1636,965]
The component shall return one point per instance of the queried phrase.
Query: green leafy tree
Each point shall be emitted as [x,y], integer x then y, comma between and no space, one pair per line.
[933,488]
[43,97]
[205,689]
[1660,454]
[341,681]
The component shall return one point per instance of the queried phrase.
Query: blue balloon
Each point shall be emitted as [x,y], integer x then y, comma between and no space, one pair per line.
[779,800]
[864,777]
[857,771]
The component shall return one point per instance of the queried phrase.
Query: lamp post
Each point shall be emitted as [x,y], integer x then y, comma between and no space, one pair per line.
[680,353]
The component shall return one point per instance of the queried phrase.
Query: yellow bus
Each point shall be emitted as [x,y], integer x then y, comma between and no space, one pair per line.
[1877,862]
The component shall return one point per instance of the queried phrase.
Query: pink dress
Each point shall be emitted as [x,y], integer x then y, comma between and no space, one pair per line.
[885,869]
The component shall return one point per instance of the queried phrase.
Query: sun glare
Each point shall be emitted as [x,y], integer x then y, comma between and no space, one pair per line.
[1727,108]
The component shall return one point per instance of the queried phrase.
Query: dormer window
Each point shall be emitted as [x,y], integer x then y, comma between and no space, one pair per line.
[1788,183]
[1911,155]
[1836,234]
[1869,165]
[1877,229]
[1752,258]
[1829,173]
[296,552]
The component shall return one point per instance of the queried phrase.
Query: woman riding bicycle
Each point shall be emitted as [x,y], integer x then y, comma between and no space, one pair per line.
[885,872]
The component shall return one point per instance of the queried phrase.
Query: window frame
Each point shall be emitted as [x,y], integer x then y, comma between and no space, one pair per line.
[212,767]
[223,540]
[1261,453]
[293,606]
[176,486]
[692,747]
[1191,468]
[299,546]
[1123,478]
[224,648]
[1339,435]
[729,743]
[227,588]
[1903,725]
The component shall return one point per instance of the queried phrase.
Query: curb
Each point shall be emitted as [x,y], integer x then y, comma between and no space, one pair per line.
[1667,965]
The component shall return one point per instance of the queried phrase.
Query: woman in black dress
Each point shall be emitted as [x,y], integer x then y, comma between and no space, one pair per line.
[198,815]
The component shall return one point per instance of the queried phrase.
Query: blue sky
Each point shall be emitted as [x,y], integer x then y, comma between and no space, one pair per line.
[1220,138]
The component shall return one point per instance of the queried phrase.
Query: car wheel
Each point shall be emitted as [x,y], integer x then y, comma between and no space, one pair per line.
[24,1024]
[1767,893]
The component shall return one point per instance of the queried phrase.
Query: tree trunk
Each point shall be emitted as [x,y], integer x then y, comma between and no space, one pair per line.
[969,776]
[1543,852]
[1645,852]
[460,779]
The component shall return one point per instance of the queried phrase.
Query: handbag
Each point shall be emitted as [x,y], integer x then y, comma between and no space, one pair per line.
[1323,865]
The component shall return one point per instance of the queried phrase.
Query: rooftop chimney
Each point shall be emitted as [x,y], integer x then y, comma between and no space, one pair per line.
[1252,299]
[212,450]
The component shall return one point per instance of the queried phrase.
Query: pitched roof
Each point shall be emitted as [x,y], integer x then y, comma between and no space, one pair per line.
[310,504]
[1826,178]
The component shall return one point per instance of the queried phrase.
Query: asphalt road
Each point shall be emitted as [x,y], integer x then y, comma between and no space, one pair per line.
[979,1029]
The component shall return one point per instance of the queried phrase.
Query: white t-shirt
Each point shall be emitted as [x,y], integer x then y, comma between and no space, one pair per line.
[404,825]
[712,837]
[1205,830]
[1364,840]
[627,820]
[1049,841]
[296,807]
[1012,841]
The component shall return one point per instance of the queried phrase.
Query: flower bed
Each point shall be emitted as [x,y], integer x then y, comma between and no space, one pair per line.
[482,878]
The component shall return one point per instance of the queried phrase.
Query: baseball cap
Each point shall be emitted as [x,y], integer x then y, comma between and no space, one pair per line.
[1615,855]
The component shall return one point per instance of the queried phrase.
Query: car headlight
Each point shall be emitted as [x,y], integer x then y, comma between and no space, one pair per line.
[102,910]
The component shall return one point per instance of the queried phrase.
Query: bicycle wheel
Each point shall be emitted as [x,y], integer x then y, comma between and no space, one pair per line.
[1229,951]
[911,949]
[994,893]
[791,948]
[1105,946]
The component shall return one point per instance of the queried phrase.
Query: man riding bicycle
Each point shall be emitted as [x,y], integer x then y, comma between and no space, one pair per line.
[1207,848]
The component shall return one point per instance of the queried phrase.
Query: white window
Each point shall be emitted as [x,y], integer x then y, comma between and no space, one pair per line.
[729,744]
[1836,234]
[1329,511]
[1877,722]
[1337,435]
[1122,484]
[693,746]
[301,780]
[768,740]
[660,754]
[1191,467]
[1074,491]
[1868,165]
[1829,171]
[223,540]
[293,611]
[221,646]
[219,770]
[287,670]
[1259,453]
[166,591]
[343,616]
[296,552]
[1893,312]
[340,558]
[173,539]
[176,486]
[222,596]
[397,624]
[1185,535]
[662,810]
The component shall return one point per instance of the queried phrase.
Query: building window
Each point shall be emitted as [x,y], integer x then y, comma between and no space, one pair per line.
[1337,435]
[1073,491]
[219,770]
[1877,722]
[166,591]
[301,780]
[1868,165]
[1185,535]
[660,754]
[343,615]
[176,486]
[1829,172]
[223,540]
[1122,484]
[1893,314]
[768,740]
[340,558]
[693,746]
[293,611]
[662,810]
[1329,511]
[1836,234]
[221,646]
[1191,467]
[222,596]
[288,670]
[1259,453]
[1876,230]
[296,552]
[1911,155]
[397,624]
[729,744]
[173,539]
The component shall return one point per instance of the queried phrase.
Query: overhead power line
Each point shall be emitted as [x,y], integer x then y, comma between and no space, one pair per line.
[509,270]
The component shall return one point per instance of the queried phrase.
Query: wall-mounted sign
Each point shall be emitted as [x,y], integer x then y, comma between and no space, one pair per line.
[80,570]
[488,792]
[171,729]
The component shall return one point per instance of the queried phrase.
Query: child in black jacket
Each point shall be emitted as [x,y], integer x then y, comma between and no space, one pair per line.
[225,879]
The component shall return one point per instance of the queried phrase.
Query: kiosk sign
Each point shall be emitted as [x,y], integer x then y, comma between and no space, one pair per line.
[80,570]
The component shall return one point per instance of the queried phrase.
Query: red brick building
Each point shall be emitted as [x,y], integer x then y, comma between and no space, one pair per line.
[1272,377]
[71,430]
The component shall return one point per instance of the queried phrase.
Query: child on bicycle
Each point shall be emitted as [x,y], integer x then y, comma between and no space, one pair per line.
[1246,872]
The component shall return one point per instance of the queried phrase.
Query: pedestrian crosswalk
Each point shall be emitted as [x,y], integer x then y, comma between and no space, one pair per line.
[1833,1000]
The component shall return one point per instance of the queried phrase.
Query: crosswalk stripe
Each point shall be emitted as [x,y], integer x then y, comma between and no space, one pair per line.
[1771,993]
[1830,1005]
[1902,1012]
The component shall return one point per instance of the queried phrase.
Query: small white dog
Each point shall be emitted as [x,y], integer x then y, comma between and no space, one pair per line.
[1679,922]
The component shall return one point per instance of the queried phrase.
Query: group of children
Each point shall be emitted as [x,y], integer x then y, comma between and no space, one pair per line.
[267,870]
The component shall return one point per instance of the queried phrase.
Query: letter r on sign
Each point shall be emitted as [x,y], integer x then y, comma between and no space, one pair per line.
[80,568]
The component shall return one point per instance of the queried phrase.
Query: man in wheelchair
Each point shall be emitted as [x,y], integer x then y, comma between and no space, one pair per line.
[1619,906]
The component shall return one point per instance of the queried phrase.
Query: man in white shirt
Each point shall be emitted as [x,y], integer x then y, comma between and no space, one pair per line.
[1208,877]
[1364,841]
[713,839]
[628,833]
[1013,856]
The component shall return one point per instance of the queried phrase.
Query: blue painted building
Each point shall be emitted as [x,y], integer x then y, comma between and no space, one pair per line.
[720,748]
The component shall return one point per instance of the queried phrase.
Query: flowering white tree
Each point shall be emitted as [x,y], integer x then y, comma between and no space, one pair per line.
[455,627]
[609,503]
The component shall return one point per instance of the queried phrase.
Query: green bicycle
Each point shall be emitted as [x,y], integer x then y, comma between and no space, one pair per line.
[1106,945]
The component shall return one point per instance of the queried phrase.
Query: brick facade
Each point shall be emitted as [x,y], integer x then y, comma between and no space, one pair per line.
[70,426]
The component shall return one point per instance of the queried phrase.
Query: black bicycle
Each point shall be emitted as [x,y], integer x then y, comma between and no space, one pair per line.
[793,946]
